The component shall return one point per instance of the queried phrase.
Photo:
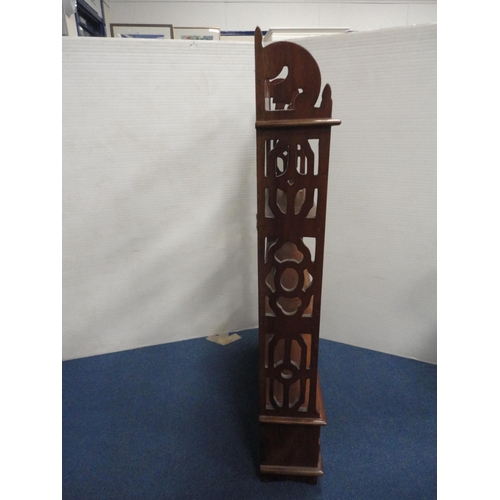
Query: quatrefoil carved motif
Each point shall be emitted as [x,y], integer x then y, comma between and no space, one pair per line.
[289,279]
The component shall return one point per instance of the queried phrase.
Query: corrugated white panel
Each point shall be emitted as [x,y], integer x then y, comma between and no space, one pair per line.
[380,251]
[159,191]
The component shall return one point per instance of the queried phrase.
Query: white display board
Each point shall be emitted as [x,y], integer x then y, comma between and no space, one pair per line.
[159,196]
[380,248]
[158,192]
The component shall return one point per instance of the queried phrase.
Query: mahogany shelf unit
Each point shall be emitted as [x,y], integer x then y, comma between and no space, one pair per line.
[293,148]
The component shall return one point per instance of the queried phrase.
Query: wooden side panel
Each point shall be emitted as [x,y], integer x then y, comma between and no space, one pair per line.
[289,445]
[293,145]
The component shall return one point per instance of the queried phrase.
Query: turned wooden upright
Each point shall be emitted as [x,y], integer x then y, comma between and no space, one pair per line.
[293,146]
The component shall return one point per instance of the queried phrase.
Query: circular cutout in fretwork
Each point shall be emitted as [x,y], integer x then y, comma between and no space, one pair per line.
[289,279]
[286,374]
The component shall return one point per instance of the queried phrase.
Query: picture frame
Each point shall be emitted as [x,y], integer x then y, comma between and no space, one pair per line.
[193,33]
[147,31]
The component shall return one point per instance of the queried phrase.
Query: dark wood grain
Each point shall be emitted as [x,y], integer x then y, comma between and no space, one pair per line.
[293,147]
[315,122]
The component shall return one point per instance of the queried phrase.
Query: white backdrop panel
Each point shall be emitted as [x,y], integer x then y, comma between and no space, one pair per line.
[159,191]
[380,251]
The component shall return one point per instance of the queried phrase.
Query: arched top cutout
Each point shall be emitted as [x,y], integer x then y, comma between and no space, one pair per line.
[288,82]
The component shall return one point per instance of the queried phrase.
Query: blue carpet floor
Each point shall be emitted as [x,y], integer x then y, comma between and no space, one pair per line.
[180,421]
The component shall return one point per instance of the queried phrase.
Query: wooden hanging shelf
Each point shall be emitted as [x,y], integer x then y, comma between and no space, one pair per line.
[293,147]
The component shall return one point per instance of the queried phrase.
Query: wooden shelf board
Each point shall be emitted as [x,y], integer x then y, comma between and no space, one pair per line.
[292,470]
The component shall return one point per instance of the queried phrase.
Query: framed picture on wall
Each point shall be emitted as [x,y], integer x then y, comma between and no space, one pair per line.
[183,33]
[151,31]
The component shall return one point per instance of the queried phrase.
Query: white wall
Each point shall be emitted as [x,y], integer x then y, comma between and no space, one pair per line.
[380,247]
[159,191]
[245,15]
[69,25]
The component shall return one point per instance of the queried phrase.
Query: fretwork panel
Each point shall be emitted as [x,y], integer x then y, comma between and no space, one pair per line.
[292,185]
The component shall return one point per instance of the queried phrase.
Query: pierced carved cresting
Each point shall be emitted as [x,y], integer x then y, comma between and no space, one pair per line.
[293,145]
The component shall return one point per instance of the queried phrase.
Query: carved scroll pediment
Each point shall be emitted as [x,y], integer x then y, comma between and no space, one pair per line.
[288,82]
